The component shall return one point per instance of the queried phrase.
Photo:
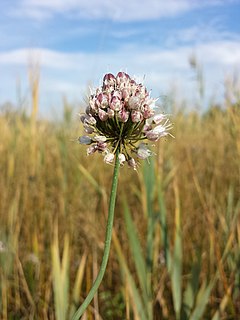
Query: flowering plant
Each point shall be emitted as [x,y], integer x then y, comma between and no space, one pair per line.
[119,115]
[118,119]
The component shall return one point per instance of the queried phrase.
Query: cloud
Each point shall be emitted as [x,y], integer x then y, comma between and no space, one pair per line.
[69,73]
[131,10]
[223,53]
[214,30]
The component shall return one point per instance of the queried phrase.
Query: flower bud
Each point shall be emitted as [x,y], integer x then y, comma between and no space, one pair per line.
[88,129]
[90,120]
[109,80]
[99,138]
[125,94]
[115,104]
[132,163]
[91,149]
[147,112]
[123,115]
[136,116]
[122,77]
[101,146]
[121,158]
[103,100]
[109,157]
[110,113]
[85,140]
[134,102]
[143,152]
[103,116]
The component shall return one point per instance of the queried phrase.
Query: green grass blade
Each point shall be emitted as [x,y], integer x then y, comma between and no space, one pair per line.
[149,179]
[164,228]
[137,252]
[202,300]
[176,271]
[60,278]
[134,293]
[78,284]
[192,287]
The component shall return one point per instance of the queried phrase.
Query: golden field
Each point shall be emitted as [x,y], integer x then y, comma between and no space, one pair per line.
[176,243]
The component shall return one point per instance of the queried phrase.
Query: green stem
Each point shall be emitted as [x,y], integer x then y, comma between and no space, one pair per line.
[107,246]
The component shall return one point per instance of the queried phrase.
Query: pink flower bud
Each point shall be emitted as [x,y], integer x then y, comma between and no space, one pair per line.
[115,104]
[136,116]
[110,113]
[147,112]
[109,80]
[123,115]
[117,94]
[122,77]
[102,99]
[132,163]
[101,146]
[91,149]
[125,94]
[103,116]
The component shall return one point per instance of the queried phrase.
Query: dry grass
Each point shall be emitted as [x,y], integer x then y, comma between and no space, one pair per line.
[47,183]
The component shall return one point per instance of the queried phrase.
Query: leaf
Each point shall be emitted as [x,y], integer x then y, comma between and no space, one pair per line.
[60,277]
[78,283]
[176,270]
[136,251]
[202,300]
[164,228]
[134,293]
[192,287]
[149,179]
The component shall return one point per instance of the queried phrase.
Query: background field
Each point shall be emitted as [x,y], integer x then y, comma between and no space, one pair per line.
[176,242]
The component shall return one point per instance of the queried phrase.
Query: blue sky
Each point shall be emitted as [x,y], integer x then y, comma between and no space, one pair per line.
[75,42]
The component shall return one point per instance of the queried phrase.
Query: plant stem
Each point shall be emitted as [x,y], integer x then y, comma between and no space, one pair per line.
[108,238]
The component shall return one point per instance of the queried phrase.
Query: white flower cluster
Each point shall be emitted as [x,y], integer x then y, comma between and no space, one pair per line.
[120,114]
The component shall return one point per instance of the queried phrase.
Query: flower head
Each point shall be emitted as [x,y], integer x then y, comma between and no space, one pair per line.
[119,115]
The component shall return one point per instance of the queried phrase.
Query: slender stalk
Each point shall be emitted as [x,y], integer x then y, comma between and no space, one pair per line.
[107,246]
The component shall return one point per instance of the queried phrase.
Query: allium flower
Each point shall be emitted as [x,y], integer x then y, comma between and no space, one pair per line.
[119,115]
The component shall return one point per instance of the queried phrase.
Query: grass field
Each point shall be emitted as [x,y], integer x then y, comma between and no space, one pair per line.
[176,241]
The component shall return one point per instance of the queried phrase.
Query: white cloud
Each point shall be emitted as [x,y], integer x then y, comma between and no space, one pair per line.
[131,10]
[69,73]
[214,30]
[223,53]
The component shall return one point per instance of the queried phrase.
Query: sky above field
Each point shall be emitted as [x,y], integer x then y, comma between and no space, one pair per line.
[75,42]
